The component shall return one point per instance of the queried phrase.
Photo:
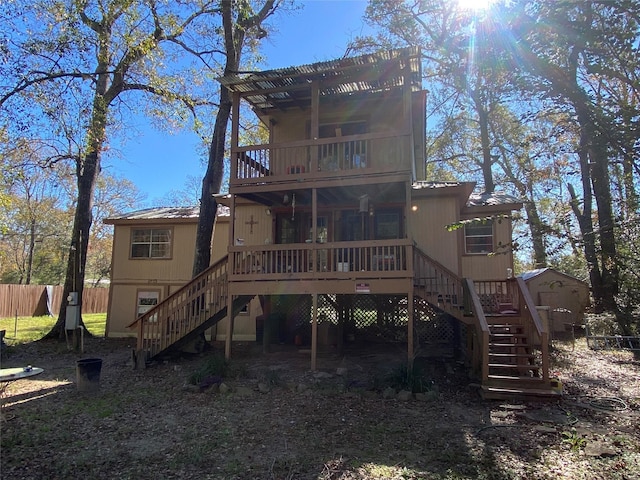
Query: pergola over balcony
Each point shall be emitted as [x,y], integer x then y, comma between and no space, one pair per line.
[391,74]
[292,87]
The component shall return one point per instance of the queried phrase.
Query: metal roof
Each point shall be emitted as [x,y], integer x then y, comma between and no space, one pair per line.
[492,199]
[164,213]
[291,87]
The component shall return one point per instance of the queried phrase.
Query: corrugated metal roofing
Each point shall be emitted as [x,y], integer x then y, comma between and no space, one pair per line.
[491,199]
[532,273]
[285,87]
[434,185]
[166,213]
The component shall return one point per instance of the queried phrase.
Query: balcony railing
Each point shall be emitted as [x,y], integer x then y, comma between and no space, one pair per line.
[320,158]
[375,258]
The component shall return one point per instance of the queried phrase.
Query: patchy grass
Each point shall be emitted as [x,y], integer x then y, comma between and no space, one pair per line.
[29,329]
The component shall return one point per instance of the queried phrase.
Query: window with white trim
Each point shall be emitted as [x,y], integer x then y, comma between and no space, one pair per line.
[151,243]
[478,237]
[146,301]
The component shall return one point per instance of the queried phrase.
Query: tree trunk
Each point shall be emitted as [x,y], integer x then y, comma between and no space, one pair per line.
[211,184]
[32,247]
[87,172]
[537,234]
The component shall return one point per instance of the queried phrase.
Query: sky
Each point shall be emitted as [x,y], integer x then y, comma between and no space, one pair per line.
[158,162]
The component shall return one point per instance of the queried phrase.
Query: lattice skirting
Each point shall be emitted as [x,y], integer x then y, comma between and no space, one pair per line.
[369,319]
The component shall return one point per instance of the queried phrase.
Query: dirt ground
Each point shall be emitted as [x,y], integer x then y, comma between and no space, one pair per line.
[272,418]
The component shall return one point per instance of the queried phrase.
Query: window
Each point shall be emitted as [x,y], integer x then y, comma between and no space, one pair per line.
[146,301]
[478,237]
[151,243]
[387,226]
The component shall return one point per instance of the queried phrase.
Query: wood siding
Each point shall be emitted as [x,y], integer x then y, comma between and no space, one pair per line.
[130,276]
[428,228]
[490,267]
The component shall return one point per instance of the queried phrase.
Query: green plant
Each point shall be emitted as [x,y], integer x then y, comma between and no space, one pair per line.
[574,440]
[215,365]
[409,378]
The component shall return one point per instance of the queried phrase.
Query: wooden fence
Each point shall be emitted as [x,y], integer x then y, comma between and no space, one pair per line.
[35,300]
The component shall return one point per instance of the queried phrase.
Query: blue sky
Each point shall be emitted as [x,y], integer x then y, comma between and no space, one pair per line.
[157,162]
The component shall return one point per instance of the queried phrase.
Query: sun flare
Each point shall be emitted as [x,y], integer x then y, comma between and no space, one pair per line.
[474,4]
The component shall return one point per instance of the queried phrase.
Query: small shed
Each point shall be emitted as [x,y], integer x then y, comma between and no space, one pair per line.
[567,297]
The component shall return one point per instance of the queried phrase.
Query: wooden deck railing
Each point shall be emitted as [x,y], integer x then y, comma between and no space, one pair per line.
[437,284]
[495,298]
[480,347]
[184,310]
[375,258]
[539,332]
[318,158]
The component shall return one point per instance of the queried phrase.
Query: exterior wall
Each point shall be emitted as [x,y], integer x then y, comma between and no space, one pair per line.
[381,117]
[175,269]
[427,227]
[489,267]
[131,276]
[244,325]
[560,292]
[253,225]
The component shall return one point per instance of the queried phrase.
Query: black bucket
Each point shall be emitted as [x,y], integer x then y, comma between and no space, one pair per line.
[88,374]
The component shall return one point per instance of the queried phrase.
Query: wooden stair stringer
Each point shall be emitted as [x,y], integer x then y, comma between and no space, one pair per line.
[238,304]
[514,369]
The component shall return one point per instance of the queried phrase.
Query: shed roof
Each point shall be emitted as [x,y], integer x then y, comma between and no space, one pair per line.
[528,275]
[291,87]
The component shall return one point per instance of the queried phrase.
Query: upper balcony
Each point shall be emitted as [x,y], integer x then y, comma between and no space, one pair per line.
[321,159]
[298,106]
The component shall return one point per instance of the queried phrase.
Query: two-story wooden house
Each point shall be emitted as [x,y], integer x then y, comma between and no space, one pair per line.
[336,230]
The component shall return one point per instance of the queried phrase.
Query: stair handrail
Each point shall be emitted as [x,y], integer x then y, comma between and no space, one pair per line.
[447,282]
[157,319]
[541,330]
[482,327]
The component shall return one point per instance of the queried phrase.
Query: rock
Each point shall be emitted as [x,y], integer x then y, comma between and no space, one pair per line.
[388,393]
[215,388]
[428,396]
[188,387]
[405,395]
[263,388]
[322,375]
[544,429]
[244,391]
[301,387]
[209,381]
[342,371]
[224,388]
[599,449]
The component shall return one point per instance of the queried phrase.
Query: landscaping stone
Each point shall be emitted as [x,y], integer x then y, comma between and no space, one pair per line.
[405,395]
[388,393]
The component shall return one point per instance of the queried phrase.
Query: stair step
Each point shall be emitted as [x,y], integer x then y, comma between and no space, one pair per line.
[489,392]
[514,378]
[512,355]
[508,335]
[514,366]
[510,345]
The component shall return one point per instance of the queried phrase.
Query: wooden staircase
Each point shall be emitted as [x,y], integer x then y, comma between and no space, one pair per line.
[508,346]
[190,311]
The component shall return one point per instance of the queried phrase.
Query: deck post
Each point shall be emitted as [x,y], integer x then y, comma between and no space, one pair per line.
[227,340]
[410,329]
[314,333]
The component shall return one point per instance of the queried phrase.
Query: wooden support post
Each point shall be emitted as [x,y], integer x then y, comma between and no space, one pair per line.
[410,340]
[314,333]
[227,342]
